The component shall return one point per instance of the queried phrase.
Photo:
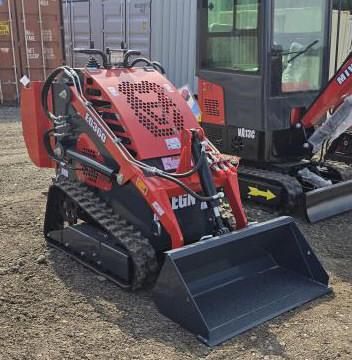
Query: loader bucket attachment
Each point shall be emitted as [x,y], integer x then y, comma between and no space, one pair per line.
[222,287]
[329,201]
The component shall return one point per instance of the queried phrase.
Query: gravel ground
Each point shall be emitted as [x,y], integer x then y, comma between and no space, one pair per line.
[9,114]
[53,308]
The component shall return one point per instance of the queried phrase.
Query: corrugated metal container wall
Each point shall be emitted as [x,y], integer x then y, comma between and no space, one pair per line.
[343,40]
[138,25]
[9,55]
[40,33]
[77,18]
[174,25]
[30,43]
[112,27]
[105,23]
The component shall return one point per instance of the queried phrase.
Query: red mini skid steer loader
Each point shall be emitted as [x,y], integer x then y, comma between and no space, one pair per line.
[137,192]
[264,70]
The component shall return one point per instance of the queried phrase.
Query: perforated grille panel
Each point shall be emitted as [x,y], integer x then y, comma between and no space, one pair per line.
[86,174]
[212,107]
[90,173]
[154,109]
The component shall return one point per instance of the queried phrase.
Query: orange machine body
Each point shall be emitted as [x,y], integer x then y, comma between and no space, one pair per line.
[35,124]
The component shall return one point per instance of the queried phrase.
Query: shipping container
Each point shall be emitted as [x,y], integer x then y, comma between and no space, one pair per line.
[164,30]
[10,68]
[31,39]
[40,33]
[105,24]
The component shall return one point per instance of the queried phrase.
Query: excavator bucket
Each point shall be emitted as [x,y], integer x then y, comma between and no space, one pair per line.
[330,201]
[222,287]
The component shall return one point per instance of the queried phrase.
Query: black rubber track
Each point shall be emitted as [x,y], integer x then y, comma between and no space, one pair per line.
[145,265]
[293,192]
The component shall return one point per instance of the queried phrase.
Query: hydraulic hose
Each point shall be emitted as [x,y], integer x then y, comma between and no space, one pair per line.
[175,175]
[50,80]
[154,171]
[44,100]
[48,148]
[45,91]
[154,64]
[185,187]
[159,66]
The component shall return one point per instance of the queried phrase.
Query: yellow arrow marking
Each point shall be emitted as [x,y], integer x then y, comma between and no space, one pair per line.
[268,195]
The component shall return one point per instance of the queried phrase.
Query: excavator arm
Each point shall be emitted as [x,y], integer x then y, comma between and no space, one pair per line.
[332,96]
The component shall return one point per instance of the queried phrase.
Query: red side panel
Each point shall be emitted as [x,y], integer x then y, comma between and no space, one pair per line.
[35,124]
[212,103]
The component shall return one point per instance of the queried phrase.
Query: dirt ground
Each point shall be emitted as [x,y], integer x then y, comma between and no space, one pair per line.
[53,308]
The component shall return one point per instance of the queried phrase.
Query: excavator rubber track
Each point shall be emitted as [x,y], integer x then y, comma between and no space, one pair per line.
[286,194]
[118,234]
[287,191]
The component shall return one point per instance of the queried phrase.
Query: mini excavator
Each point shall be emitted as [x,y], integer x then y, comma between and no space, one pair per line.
[264,94]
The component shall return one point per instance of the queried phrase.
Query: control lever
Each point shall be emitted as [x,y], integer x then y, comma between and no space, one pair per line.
[106,63]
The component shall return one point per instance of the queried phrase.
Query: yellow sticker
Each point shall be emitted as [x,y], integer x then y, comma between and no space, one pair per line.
[268,195]
[141,186]
[4,28]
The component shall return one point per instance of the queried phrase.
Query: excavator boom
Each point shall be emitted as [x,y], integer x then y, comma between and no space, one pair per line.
[333,95]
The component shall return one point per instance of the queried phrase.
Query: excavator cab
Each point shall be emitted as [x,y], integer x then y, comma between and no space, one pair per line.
[264,81]
[259,63]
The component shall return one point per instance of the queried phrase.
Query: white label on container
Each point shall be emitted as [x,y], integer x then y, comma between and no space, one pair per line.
[32,54]
[30,35]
